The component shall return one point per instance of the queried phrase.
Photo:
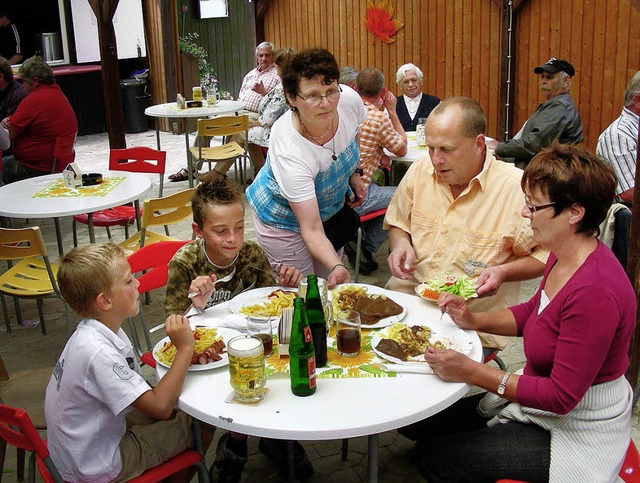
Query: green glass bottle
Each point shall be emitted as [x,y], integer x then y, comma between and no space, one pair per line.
[315,317]
[302,361]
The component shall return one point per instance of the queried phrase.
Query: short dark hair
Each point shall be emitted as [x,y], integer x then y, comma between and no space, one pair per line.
[218,192]
[308,64]
[5,69]
[370,82]
[473,120]
[569,174]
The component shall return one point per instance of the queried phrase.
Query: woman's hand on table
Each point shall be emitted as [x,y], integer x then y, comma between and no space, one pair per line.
[289,276]
[338,275]
[449,365]
[203,286]
[457,309]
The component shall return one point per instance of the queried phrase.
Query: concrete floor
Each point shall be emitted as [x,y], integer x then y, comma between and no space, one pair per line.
[29,356]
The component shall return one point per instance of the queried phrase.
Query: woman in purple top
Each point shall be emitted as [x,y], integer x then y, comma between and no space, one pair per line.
[567,417]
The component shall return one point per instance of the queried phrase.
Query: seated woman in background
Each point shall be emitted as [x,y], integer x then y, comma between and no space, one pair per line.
[272,106]
[298,198]
[570,413]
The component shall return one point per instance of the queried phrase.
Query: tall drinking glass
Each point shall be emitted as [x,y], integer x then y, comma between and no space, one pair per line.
[246,368]
[348,333]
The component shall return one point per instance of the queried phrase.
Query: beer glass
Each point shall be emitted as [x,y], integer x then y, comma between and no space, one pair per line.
[197,93]
[348,333]
[246,368]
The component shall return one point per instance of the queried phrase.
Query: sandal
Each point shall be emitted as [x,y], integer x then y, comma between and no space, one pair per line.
[182,175]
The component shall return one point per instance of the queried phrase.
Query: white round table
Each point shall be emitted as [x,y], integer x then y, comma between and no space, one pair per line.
[20,201]
[170,110]
[340,408]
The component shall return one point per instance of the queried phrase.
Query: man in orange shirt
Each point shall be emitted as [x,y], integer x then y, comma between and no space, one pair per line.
[458,211]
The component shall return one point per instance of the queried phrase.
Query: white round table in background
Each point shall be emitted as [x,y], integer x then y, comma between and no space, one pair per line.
[20,203]
[170,110]
[340,408]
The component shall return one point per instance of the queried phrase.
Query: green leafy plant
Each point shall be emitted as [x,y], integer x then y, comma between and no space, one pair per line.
[188,44]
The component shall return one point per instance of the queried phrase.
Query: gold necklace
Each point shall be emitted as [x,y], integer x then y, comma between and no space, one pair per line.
[314,138]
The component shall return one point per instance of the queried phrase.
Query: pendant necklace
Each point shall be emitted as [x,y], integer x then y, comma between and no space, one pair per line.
[318,138]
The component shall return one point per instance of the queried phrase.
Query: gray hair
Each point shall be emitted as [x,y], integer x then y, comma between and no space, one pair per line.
[632,89]
[402,71]
[348,75]
[264,45]
[36,67]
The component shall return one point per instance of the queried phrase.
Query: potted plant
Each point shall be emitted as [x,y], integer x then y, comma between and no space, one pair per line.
[208,79]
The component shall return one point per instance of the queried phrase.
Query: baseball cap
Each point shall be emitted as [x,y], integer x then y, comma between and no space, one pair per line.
[554,65]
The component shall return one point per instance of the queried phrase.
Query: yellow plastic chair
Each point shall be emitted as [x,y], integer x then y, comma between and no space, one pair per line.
[219,126]
[158,212]
[33,277]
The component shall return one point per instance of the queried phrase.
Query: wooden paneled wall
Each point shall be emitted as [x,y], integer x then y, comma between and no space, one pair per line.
[601,39]
[458,46]
[455,43]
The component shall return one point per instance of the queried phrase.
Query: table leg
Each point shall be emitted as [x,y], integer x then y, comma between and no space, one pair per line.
[373,458]
[157,134]
[92,233]
[291,462]
[186,142]
[56,222]
[136,205]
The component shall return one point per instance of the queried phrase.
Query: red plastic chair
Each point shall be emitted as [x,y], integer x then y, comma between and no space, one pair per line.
[364,218]
[630,471]
[135,160]
[63,152]
[154,261]
[17,429]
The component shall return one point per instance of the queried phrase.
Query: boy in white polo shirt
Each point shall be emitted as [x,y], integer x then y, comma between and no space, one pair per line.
[104,422]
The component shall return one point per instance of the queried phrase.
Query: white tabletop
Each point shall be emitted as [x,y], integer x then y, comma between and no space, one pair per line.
[340,408]
[414,153]
[20,203]
[170,109]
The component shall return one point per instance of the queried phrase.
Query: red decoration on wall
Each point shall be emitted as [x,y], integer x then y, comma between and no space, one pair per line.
[379,20]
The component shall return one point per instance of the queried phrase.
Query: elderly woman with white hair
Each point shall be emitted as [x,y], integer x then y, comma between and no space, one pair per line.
[413,104]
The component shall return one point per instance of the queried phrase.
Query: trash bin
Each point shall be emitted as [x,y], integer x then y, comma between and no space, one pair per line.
[134,101]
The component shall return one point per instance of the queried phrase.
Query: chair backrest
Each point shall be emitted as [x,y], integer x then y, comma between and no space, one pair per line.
[223,126]
[167,210]
[63,152]
[155,260]
[17,429]
[16,244]
[139,159]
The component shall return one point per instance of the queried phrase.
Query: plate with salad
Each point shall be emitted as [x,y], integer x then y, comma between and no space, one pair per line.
[461,285]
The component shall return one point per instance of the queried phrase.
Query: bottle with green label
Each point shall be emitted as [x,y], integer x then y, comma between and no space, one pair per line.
[315,317]
[302,361]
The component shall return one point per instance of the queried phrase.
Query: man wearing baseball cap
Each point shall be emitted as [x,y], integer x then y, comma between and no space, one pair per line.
[555,119]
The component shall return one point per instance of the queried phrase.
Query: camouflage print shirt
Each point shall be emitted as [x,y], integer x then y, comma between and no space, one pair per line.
[190,262]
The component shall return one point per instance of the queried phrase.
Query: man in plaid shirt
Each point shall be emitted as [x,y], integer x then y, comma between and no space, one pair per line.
[377,131]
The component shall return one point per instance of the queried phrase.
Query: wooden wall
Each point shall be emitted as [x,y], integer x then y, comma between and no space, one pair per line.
[459,46]
[601,39]
[230,41]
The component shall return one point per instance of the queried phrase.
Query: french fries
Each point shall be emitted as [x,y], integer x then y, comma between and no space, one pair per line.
[277,300]
[204,337]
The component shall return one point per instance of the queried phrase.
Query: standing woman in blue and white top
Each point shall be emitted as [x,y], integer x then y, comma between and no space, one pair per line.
[310,168]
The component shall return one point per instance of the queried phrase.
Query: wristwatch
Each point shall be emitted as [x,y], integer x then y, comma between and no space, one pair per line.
[503,384]
[359,171]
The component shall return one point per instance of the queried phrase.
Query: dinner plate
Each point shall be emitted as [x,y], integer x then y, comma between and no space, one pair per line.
[373,290]
[451,336]
[226,335]
[255,296]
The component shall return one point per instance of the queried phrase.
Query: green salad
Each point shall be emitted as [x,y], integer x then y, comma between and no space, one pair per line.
[462,286]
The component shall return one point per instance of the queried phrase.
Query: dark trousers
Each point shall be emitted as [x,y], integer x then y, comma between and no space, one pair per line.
[13,170]
[456,445]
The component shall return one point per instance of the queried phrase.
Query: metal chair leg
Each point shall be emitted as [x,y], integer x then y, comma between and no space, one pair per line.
[345,449]
[5,313]
[358,249]
[41,316]
[75,233]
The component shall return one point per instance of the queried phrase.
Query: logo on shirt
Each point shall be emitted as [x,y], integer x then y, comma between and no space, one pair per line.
[123,371]
[57,373]
[471,265]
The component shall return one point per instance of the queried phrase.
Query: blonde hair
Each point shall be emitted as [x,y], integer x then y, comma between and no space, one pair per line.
[87,271]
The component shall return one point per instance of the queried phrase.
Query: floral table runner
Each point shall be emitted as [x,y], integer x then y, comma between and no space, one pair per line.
[57,189]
